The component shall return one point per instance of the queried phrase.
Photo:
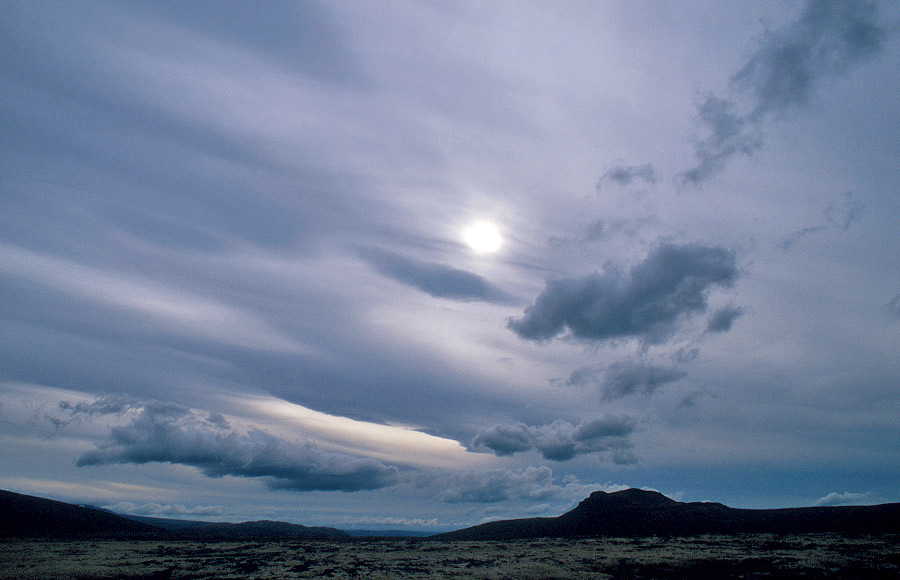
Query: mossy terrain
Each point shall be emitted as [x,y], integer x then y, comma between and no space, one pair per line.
[757,556]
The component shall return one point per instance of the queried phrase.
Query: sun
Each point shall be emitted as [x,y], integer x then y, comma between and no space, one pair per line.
[483,237]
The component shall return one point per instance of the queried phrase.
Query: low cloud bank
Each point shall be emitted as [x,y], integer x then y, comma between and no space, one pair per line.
[158,432]
[845,498]
[496,485]
[164,510]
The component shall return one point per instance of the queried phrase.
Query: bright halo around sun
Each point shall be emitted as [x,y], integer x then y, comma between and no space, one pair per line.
[483,237]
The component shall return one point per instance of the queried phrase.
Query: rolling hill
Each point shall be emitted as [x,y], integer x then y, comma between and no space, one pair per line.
[631,512]
[635,512]
[244,530]
[25,516]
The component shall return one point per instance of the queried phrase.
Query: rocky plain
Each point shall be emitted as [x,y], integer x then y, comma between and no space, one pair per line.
[756,556]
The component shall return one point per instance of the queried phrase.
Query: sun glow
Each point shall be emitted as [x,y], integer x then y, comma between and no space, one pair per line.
[483,237]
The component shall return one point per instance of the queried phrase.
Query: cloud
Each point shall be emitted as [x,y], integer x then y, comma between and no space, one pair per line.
[157,510]
[648,303]
[621,379]
[136,306]
[162,432]
[389,521]
[893,307]
[505,439]
[304,36]
[783,73]
[730,134]
[685,354]
[496,485]
[846,498]
[437,280]
[601,230]
[627,174]
[834,217]
[561,440]
[723,318]
[595,231]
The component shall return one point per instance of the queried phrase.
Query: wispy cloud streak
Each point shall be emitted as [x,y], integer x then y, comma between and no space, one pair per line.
[783,74]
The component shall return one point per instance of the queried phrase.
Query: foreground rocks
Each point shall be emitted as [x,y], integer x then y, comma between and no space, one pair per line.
[757,556]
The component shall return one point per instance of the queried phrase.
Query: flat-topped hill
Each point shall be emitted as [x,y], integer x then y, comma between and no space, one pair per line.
[635,512]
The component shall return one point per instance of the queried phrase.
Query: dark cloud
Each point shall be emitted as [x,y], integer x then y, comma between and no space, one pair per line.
[723,318]
[621,379]
[627,174]
[121,404]
[834,217]
[647,303]
[782,74]
[505,439]
[685,354]
[627,378]
[436,279]
[561,440]
[496,485]
[157,432]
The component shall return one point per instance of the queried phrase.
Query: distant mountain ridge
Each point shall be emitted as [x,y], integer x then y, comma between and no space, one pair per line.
[631,512]
[25,516]
[243,530]
[635,512]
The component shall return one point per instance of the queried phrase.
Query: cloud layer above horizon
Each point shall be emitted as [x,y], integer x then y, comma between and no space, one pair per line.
[235,280]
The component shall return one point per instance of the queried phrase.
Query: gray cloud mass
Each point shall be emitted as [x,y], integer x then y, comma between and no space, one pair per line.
[621,379]
[496,485]
[647,303]
[723,318]
[561,440]
[170,433]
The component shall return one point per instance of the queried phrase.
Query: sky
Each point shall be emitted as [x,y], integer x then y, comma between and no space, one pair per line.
[239,277]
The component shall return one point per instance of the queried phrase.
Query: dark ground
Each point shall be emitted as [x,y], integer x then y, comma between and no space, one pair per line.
[755,556]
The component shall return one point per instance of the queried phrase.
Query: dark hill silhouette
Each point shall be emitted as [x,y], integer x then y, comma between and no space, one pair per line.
[25,516]
[635,512]
[245,530]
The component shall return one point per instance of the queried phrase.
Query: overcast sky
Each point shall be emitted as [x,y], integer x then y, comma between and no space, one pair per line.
[237,279]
